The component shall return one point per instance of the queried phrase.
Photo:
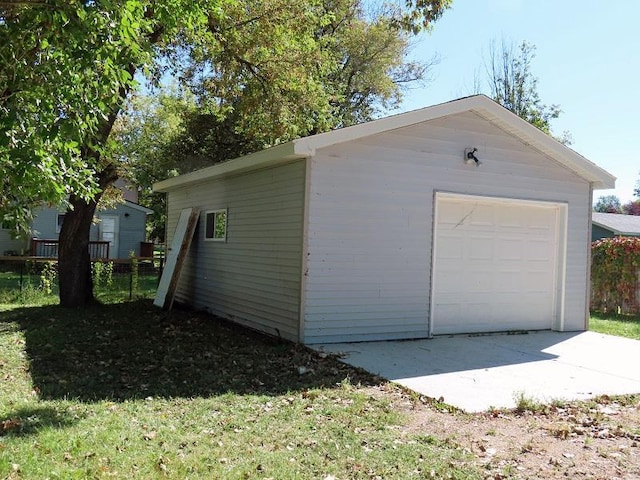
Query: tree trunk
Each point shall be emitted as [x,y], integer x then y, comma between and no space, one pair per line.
[74,263]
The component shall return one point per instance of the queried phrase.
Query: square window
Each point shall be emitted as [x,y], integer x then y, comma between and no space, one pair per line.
[216,225]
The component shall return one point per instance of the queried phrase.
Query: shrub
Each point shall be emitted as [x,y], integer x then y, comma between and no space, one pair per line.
[102,273]
[48,276]
[614,275]
[135,274]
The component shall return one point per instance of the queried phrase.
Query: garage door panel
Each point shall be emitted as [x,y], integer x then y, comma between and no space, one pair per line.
[495,295]
[539,250]
[480,298]
[448,310]
[479,216]
[509,248]
[451,214]
[452,246]
[509,219]
[538,281]
[489,319]
[495,265]
[508,280]
[474,283]
[451,282]
[481,247]
[538,219]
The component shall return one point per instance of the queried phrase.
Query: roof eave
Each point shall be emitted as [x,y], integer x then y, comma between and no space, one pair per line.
[480,104]
[615,231]
[491,111]
[544,143]
[264,158]
[136,206]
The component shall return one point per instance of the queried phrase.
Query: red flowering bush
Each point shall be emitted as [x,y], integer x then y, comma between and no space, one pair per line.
[614,274]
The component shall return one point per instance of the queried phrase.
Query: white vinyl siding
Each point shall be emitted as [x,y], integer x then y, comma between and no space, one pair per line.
[131,222]
[10,245]
[45,223]
[253,278]
[131,229]
[370,220]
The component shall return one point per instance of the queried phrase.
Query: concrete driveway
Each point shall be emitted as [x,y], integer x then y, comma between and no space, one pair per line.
[475,373]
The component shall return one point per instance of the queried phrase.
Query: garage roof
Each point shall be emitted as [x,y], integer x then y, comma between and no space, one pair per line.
[480,104]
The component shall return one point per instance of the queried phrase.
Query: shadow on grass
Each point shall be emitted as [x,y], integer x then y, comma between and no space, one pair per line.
[133,350]
[28,421]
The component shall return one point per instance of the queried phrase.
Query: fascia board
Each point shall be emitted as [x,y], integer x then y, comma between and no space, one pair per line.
[253,161]
[135,206]
[537,139]
[386,124]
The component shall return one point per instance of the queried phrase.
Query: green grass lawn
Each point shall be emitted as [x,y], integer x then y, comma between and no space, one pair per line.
[612,324]
[27,288]
[126,390]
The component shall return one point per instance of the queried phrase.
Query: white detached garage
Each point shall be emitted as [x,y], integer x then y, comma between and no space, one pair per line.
[390,229]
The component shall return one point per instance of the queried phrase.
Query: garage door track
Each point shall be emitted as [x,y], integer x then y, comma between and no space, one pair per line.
[478,372]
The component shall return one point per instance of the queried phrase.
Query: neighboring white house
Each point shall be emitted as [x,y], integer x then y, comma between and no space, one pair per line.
[391,229]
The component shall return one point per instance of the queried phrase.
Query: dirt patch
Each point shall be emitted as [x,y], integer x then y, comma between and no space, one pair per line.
[599,439]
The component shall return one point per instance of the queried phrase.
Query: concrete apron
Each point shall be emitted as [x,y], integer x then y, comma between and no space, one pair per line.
[478,372]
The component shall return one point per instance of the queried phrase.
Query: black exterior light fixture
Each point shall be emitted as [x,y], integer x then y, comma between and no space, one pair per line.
[470,156]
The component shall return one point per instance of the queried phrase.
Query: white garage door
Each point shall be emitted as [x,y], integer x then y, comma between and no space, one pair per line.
[495,265]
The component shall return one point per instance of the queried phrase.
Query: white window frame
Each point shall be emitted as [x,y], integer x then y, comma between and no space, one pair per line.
[215,214]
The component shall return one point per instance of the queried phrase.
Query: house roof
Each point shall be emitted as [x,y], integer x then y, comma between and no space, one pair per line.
[619,224]
[135,206]
[480,104]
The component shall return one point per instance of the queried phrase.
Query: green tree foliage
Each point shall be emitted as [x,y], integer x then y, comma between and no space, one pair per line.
[51,97]
[514,86]
[258,88]
[148,141]
[611,204]
[369,57]
[69,65]
[608,204]
[254,81]
[250,97]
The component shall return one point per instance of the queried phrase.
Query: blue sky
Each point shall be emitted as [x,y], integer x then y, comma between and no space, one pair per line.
[587,61]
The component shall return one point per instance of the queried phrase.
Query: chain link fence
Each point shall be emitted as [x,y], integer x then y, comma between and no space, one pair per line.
[122,279]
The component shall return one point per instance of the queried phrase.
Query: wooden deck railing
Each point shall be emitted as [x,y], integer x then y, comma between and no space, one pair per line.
[49,249]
